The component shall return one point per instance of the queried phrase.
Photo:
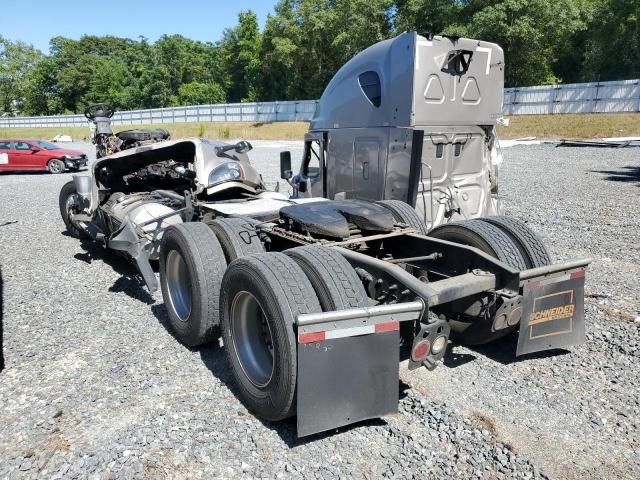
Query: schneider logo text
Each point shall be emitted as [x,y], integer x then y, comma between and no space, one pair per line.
[555,313]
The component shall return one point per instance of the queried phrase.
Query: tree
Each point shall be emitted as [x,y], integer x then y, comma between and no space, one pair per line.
[187,60]
[17,60]
[306,41]
[428,16]
[196,93]
[152,89]
[109,77]
[240,48]
[572,50]
[529,31]
[613,45]
[40,95]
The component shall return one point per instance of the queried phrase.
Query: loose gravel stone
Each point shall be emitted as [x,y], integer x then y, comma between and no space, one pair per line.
[96,386]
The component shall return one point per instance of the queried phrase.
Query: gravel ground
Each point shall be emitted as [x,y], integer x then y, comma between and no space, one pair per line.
[95,385]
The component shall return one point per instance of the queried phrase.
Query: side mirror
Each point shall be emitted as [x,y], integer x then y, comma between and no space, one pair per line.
[35,148]
[243,146]
[285,165]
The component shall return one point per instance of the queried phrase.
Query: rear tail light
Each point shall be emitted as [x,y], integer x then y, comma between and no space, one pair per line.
[420,351]
[429,344]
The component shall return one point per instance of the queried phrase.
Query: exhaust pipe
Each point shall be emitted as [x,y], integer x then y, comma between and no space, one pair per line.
[83,187]
[83,184]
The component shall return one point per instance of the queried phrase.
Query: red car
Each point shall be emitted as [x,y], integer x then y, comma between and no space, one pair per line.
[22,154]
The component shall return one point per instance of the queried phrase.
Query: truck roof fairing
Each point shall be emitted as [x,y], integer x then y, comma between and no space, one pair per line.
[452,81]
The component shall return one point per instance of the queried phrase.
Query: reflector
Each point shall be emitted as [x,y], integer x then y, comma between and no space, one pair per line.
[438,344]
[420,351]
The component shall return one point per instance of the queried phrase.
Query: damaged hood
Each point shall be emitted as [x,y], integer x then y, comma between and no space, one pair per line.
[199,152]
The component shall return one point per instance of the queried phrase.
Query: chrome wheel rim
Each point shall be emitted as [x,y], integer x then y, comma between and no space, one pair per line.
[55,167]
[70,206]
[178,285]
[252,339]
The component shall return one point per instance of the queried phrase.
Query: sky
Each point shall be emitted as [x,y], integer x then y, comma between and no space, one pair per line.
[35,22]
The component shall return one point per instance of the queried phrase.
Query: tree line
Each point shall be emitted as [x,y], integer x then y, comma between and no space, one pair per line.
[302,45]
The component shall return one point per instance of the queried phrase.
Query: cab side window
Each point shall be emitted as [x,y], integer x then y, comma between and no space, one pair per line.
[22,146]
[370,85]
[312,162]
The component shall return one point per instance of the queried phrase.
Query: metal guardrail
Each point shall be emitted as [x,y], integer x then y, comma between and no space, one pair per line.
[289,111]
[594,97]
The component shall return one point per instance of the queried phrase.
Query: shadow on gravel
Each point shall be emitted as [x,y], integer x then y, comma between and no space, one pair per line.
[453,359]
[627,174]
[214,358]
[37,172]
[504,351]
[130,282]
[24,172]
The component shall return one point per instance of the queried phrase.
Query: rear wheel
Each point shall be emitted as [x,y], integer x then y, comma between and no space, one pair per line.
[56,165]
[472,318]
[529,242]
[67,201]
[485,237]
[333,278]
[405,213]
[191,268]
[237,236]
[261,297]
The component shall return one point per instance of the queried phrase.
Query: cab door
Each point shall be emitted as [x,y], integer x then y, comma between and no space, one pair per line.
[366,168]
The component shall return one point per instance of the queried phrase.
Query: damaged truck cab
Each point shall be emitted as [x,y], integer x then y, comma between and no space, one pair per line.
[411,119]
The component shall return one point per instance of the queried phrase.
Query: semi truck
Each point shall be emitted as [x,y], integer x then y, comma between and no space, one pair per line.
[316,296]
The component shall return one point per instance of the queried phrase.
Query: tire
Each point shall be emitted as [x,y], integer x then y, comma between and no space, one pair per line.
[485,237]
[334,280]
[67,194]
[192,265]
[261,297]
[405,213]
[489,239]
[237,236]
[56,165]
[529,242]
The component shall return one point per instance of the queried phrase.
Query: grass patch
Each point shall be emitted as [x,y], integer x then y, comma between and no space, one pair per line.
[597,125]
[216,130]
[541,126]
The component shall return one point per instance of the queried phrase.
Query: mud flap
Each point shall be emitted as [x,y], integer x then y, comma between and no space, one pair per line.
[347,380]
[553,312]
[348,365]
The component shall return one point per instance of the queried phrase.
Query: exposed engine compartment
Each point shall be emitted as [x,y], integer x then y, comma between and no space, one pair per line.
[169,174]
[170,168]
